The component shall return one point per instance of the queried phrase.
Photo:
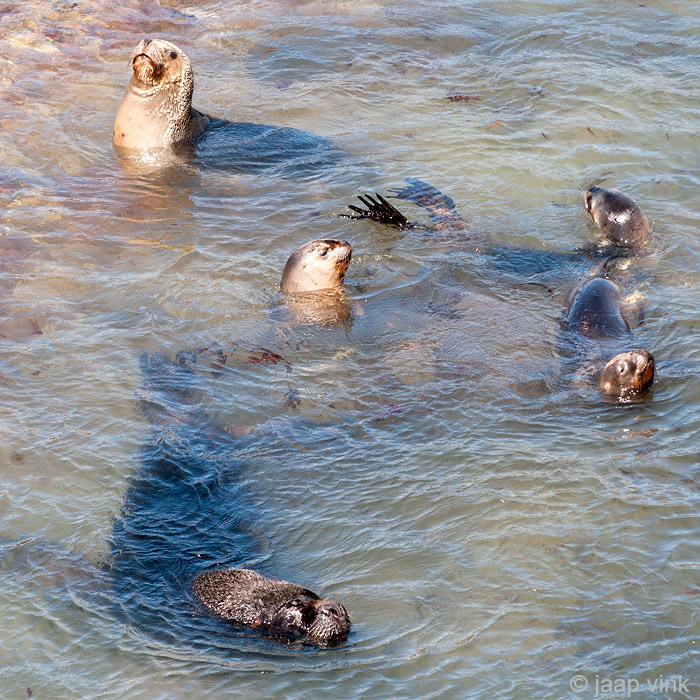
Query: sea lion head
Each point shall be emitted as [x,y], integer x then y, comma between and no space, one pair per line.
[627,375]
[157,108]
[322,622]
[159,65]
[316,265]
[618,217]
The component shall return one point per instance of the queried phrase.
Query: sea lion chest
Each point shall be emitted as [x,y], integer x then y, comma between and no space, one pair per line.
[141,123]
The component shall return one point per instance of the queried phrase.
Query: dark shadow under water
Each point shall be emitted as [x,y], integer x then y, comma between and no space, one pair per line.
[245,147]
[184,511]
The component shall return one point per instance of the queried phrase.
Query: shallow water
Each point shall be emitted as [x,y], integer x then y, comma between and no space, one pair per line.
[492,530]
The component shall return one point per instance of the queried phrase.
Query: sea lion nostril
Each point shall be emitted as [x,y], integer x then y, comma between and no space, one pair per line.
[146,42]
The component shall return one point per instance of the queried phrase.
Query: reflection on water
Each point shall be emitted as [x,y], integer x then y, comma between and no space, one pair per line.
[492,528]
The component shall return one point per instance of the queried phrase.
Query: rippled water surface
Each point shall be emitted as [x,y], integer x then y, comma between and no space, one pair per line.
[493,529]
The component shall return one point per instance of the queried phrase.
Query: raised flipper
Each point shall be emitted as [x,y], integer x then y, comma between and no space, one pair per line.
[424,195]
[378,210]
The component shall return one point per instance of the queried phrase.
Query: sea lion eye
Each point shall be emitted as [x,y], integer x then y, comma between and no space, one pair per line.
[622,368]
[173,54]
[324,253]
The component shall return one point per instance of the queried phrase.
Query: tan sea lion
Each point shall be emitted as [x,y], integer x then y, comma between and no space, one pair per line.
[594,317]
[246,597]
[316,266]
[156,111]
[156,114]
[619,217]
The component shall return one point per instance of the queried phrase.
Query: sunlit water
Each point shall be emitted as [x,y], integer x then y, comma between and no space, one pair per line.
[493,531]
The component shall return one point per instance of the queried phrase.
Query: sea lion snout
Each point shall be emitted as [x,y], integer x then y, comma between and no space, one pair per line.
[146,71]
[588,197]
[153,59]
[342,250]
[645,368]
[332,622]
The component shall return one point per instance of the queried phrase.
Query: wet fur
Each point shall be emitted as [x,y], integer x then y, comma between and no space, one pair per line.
[595,323]
[245,597]
[156,113]
[618,217]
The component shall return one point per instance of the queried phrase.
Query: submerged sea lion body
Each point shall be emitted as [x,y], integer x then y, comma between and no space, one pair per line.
[619,217]
[185,513]
[156,113]
[595,322]
[594,317]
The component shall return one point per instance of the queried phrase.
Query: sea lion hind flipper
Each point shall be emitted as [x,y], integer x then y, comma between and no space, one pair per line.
[426,196]
[171,378]
[380,210]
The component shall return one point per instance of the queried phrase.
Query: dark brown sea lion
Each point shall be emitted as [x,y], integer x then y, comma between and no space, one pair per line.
[619,217]
[156,111]
[247,598]
[185,512]
[596,325]
[315,266]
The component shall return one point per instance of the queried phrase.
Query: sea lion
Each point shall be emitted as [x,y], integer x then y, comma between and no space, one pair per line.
[447,221]
[619,217]
[185,514]
[247,598]
[315,266]
[156,111]
[595,324]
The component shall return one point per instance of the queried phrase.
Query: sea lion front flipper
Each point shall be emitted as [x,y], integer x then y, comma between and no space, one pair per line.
[378,210]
